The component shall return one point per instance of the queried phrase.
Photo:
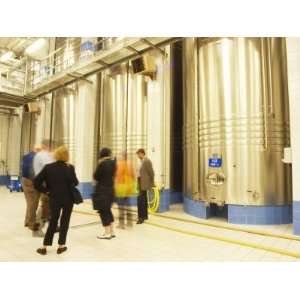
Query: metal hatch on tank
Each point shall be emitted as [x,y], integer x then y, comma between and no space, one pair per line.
[215,179]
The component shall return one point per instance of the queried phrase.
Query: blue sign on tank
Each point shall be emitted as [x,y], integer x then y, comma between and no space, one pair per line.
[215,162]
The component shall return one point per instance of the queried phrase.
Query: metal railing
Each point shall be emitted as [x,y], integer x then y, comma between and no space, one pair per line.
[64,58]
[13,82]
[76,59]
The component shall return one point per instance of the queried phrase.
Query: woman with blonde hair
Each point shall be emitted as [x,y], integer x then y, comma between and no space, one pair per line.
[57,180]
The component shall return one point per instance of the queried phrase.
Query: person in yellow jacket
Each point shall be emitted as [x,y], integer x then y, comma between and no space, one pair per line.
[125,187]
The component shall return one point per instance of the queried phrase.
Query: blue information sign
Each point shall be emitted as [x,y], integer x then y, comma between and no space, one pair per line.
[215,162]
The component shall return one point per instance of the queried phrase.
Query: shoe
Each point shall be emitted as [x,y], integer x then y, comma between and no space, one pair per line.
[26,225]
[42,251]
[105,237]
[140,221]
[113,236]
[61,250]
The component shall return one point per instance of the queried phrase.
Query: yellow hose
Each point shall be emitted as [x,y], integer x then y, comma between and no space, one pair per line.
[218,238]
[153,205]
[226,226]
[229,240]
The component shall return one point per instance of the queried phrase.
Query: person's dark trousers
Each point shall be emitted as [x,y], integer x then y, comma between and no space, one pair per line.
[65,210]
[106,217]
[142,205]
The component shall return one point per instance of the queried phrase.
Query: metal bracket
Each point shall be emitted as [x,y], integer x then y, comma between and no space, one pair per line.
[101,62]
[154,46]
[79,76]
[132,49]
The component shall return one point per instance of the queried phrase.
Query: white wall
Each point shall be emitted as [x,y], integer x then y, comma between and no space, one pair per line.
[293,59]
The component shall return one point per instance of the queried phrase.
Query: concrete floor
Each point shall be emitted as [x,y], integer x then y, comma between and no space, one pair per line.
[141,243]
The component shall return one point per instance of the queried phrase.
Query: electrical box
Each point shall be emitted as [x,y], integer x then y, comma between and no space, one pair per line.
[287,155]
[32,107]
[144,65]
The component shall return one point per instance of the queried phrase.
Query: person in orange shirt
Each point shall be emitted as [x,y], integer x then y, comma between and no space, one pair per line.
[125,187]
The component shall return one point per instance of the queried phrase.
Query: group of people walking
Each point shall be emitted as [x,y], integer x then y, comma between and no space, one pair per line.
[49,180]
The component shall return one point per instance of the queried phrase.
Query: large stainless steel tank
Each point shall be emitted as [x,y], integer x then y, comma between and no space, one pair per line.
[64,119]
[135,112]
[236,121]
[123,111]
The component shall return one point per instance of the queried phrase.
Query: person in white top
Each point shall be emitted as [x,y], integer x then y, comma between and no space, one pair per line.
[41,159]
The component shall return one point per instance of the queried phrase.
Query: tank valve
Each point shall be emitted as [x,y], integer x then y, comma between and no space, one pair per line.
[255,195]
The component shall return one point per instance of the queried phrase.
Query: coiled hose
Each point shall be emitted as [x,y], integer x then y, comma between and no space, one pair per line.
[153,197]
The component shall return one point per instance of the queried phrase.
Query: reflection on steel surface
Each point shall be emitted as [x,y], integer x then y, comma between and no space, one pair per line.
[236,105]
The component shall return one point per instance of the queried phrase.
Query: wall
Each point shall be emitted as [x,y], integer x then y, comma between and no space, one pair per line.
[293,57]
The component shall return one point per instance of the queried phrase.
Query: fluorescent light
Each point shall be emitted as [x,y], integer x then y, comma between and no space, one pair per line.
[35,46]
[6,56]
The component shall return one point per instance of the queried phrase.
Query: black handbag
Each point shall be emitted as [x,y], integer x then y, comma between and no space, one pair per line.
[76,195]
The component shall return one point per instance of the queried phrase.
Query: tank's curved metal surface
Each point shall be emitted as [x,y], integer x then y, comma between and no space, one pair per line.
[237,113]
[64,121]
[123,111]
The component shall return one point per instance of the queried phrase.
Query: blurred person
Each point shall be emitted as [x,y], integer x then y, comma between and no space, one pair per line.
[31,194]
[41,159]
[104,194]
[145,175]
[57,180]
[125,188]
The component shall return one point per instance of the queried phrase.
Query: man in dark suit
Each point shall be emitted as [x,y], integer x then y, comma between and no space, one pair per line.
[145,177]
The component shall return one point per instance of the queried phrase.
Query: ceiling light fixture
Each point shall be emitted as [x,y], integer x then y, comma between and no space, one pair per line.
[35,46]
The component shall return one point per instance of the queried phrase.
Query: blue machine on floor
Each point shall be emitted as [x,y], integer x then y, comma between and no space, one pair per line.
[15,184]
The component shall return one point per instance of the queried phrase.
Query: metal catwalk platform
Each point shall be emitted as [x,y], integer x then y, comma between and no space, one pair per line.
[127,48]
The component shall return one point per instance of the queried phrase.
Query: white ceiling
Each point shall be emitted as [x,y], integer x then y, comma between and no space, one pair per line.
[15,44]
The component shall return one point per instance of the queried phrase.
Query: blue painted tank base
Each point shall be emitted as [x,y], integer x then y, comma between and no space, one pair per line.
[296,217]
[86,189]
[4,180]
[196,208]
[260,215]
[240,214]
[167,197]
